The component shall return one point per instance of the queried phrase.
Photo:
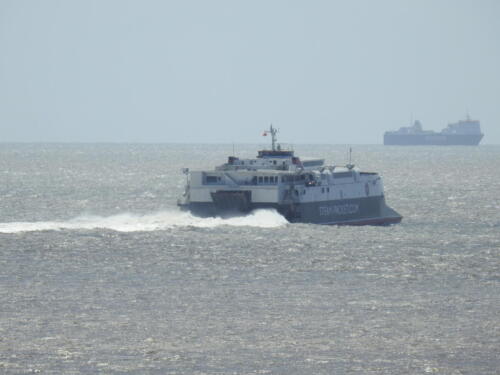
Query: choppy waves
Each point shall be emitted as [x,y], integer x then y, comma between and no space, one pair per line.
[128,222]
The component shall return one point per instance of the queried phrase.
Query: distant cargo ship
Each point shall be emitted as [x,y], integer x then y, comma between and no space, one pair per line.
[464,132]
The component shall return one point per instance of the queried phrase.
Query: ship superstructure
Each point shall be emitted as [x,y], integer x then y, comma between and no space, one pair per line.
[302,190]
[464,132]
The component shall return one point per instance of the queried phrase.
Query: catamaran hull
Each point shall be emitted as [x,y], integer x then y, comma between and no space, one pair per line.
[359,211]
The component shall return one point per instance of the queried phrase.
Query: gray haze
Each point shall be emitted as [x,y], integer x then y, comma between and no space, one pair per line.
[221,71]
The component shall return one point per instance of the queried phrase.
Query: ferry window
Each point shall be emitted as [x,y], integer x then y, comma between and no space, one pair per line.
[322,190]
[254,180]
[266,179]
[274,162]
[212,179]
[342,174]
[327,189]
[260,179]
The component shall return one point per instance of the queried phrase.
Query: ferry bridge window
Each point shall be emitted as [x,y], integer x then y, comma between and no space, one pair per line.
[260,179]
[266,179]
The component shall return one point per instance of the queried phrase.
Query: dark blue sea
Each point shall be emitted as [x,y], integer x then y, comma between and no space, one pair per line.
[100,273]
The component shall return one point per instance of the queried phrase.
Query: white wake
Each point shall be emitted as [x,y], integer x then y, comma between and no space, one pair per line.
[149,222]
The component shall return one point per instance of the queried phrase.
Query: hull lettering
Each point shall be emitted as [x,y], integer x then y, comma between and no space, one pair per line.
[340,209]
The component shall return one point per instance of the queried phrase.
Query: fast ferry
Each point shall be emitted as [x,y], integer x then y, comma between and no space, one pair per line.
[302,190]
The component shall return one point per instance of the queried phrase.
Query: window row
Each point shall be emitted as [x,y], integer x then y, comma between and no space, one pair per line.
[265,180]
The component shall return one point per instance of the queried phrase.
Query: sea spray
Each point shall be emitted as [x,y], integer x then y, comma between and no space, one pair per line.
[128,222]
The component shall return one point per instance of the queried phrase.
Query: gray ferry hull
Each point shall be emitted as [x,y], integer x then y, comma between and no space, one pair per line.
[359,211]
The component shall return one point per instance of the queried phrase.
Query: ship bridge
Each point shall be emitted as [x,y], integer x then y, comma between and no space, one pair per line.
[275,154]
[276,158]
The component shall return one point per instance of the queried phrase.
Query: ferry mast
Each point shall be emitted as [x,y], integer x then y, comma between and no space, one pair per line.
[273,132]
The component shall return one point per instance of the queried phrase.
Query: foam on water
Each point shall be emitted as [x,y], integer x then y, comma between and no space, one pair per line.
[128,222]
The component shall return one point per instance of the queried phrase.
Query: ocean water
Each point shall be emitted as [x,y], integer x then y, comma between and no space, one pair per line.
[100,273]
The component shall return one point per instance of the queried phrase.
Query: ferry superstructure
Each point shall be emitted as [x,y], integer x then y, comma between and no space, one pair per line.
[303,191]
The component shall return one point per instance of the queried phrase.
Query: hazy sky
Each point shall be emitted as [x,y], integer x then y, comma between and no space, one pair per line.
[220,71]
